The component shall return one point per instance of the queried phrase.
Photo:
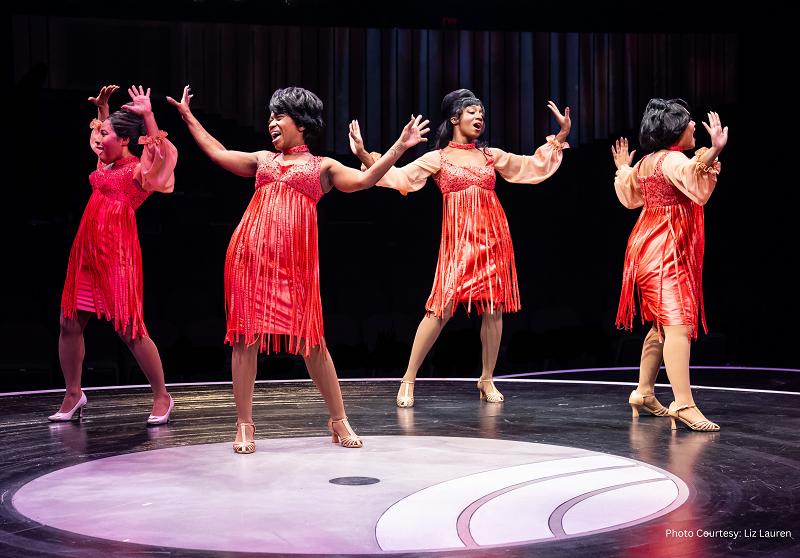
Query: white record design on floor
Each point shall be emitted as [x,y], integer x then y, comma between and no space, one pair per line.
[397,494]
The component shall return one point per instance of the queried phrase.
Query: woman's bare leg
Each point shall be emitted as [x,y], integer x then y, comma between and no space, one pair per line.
[323,374]
[71,351]
[650,364]
[427,333]
[676,360]
[146,354]
[244,366]
[491,334]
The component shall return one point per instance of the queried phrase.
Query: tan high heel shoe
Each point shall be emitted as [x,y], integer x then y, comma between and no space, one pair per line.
[636,401]
[493,397]
[245,446]
[703,425]
[405,400]
[349,441]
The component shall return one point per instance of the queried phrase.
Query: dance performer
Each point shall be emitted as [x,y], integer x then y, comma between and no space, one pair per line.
[476,258]
[104,275]
[272,266]
[664,258]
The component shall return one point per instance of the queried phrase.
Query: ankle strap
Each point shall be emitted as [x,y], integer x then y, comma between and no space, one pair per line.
[406,382]
[682,407]
[238,424]
[339,420]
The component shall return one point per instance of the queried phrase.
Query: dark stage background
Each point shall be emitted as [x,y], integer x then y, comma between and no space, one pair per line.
[378,250]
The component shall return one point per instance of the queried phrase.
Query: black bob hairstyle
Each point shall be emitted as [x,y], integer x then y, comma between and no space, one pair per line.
[302,106]
[453,106]
[130,125]
[663,123]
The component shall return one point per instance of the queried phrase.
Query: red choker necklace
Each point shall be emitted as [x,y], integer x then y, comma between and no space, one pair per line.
[295,149]
[461,145]
[125,161]
[675,148]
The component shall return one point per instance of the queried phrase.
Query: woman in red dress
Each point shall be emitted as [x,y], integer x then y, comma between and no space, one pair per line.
[104,276]
[664,258]
[476,257]
[272,267]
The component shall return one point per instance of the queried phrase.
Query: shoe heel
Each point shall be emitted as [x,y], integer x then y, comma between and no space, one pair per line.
[674,424]
[635,411]
[335,438]
[80,412]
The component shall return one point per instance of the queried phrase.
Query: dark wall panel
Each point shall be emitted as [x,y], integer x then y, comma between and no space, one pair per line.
[382,76]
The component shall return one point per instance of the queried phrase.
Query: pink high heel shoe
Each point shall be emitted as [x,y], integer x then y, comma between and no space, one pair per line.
[163,419]
[63,417]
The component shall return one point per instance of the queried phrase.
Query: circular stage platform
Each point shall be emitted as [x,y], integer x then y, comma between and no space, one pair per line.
[559,469]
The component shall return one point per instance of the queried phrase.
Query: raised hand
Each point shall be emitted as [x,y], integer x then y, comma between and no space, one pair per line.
[102,98]
[563,119]
[719,135]
[621,156]
[183,106]
[141,101]
[412,133]
[356,142]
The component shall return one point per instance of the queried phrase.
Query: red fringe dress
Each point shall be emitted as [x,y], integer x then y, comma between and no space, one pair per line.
[272,265]
[664,258]
[104,274]
[476,256]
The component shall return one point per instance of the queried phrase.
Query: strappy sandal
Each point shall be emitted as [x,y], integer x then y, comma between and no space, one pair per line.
[245,446]
[405,400]
[491,397]
[349,441]
[637,401]
[703,425]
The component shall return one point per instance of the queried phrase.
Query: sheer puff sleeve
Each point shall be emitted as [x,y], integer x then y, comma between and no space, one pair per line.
[691,176]
[411,177]
[627,187]
[529,169]
[157,165]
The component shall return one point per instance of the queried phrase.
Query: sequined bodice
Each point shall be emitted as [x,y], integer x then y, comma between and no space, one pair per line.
[117,183]
[303,177]
[453,178]
[657,190]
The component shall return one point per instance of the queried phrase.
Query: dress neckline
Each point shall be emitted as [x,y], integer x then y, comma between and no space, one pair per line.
[488,160]
[308,162]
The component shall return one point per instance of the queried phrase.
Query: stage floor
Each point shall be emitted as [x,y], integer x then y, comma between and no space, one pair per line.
[559,469]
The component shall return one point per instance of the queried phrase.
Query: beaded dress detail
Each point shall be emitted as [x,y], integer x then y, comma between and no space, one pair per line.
[476,256]
[104,274]
[664,257]
[272,265]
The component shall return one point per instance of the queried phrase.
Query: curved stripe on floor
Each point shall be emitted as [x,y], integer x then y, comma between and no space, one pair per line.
[398,493]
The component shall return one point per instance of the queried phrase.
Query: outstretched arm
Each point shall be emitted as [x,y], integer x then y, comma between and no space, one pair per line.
[625,183]
[357,145]
[351,180]
[101,101]
[238,162]
[563,121]
[141,106]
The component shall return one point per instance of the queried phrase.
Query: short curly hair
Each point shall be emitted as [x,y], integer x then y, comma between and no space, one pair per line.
[663,123]
[302,106]
[128,124]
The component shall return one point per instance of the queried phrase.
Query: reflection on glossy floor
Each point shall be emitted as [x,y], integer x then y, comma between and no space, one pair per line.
[558,469]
